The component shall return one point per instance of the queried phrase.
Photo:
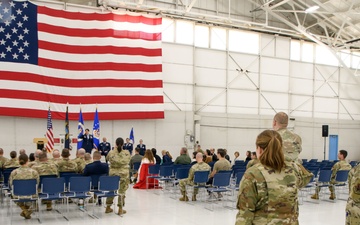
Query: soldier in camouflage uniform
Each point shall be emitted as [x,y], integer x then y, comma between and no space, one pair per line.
[2,158]
[37,153]
[88,158]
[341,165]
[269,190]
[44,167]
[119,166]
[80,161]
[353,203]
[66,165]
[23,173]
[254,160]
[13,162]
[291,141]
[55,156]
[199,166]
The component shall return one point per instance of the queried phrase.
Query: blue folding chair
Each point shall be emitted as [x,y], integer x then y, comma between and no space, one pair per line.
[165,176]
[79,188]
[221,184]
[341,182]
[323,180]
[153,171]
[200,179]
[53,188]
[5,185]
[67,176]
[108,187]
[23,191]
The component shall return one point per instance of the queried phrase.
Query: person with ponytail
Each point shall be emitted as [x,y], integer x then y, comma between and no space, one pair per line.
[119,166]
[269,190]
[24,173]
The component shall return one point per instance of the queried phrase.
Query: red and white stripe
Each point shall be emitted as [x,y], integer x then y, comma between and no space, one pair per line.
[50,140]
[107,60]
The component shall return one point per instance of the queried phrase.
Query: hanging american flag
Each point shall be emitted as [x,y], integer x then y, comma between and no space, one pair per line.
[110,60]
[49,133]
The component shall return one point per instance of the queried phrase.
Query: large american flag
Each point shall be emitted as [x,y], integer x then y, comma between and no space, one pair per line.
[50,56]
[49,133]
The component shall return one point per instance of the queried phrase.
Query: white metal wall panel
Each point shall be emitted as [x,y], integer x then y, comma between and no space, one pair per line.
[274,83]
[243,102]
[301,86]
[210,99]
[282,47]
[267,47]
[353,107]
[177,73]
[210,58]
[279,101]
[182,95]
[178,54]
[329,73]
[350,91]
[302,70]
[326,89]
[210,77]
[245,61]
[326,105]
[241,81]
[275,66]
[349,78]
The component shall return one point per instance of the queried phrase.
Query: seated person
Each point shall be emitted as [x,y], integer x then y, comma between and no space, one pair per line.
[341,165]
[199,166]
[143,172]
[184,158]
[166,157]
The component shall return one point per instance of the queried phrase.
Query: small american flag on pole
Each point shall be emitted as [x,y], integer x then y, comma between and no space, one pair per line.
[49,133]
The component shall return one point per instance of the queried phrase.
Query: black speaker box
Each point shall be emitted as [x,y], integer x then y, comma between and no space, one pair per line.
[325,130]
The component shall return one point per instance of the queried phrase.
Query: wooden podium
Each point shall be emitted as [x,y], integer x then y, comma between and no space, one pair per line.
[40,142]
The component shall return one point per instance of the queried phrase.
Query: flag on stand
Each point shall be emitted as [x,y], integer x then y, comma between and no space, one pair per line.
[49,133]
[54,54]
[81,130]
[96,130]
[131,137]
[67,137]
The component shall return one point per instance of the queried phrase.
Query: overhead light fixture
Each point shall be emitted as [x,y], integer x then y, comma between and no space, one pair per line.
[312,9]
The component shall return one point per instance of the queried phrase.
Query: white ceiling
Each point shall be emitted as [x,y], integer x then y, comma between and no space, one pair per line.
[335,24]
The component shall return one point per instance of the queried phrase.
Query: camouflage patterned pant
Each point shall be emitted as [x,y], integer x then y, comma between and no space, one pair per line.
[124,185]
[184,182]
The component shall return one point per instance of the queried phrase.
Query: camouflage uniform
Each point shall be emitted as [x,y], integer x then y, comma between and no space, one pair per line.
[190,180]
[46,168]
[54,160]
[341,165]
[119,166]
[11,163]
[31,164]
[80,162]
[24,173]
[291,145]
[252,163]
[266,197]
[2,161]
[353,203]
[66,165]
[88,162]
[351,175]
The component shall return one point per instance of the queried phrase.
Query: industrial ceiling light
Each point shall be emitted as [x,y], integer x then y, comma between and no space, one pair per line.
[312,9]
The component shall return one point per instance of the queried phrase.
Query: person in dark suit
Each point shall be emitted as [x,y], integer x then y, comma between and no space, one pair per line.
[128,146]
[104,147]
[142,147]
[88,142]
[96,168]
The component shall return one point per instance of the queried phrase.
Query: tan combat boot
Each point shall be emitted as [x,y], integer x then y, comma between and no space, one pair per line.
[193,198]
[315,196]
[108,209]
[332,196]
[121,211]
[184,198]
[48,206]
[123,200]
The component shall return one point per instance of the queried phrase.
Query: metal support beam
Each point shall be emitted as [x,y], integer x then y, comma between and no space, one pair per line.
[192,3]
